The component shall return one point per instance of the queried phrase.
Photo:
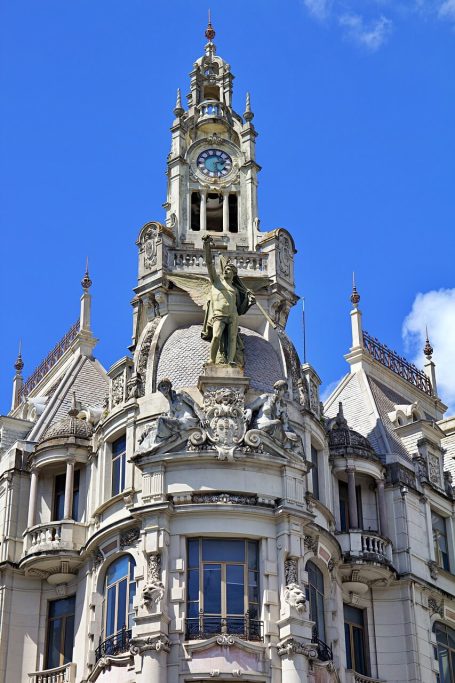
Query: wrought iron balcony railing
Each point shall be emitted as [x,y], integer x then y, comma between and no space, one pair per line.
[206,626]
[325,653]
[114,645]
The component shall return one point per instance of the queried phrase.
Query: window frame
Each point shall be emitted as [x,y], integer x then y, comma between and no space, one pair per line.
[315,479]
[442,557]
[313,604]
[440,626]
[250,606]
[345,501]
[121,458]
[352,650]
[129,597]
[63,634]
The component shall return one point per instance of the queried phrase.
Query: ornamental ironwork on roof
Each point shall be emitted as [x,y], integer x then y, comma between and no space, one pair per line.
[51,359]
[399,365]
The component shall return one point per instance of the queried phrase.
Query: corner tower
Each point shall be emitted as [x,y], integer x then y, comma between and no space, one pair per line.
[211,168]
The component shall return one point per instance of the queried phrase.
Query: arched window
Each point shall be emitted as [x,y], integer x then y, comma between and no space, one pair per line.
[445,637]
[315,596]
[119,591]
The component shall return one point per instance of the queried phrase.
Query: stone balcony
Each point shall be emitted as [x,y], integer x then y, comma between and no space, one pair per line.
[61,674]
[368,549]
[354,677]
[46,543]
[251,263]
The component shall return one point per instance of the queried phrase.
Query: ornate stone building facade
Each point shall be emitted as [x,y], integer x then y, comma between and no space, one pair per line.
[195,513]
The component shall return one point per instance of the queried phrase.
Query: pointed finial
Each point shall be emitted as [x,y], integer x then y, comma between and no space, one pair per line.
[355,296]
[427,349]
[340,418]
[19,364]
[210,31]
[73,411]
[248,114]
[86,282]
[178,109]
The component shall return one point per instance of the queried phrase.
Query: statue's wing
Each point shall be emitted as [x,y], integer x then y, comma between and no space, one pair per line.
[255,283]
[197,286]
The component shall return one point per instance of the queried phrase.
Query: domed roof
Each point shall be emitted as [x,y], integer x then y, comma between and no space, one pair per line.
[184,353]
[69,426]
[343,440]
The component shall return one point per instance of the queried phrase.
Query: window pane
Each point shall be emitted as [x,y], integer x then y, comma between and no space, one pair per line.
[119,446]
[315,471]
[235,591]
[253,590]
[117,570]
[320,623]
[121,615]
[53,643]
[223,550]
[122,471]
[359,650]
[193,584]
[68,640]
[110,612]
[193,610]
[252,555]
[131,596]
[193,553]
[353,615]
[115,476]
[444,665]
[347,638]
[451,636]
[212,588]
[58,608]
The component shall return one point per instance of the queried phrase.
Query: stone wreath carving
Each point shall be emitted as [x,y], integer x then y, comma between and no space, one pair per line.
[153,590]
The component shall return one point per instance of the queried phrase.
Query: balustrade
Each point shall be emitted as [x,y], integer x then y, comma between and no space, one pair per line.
[180,259]
[61,674]
[67,535]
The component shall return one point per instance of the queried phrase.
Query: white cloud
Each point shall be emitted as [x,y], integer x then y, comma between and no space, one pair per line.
[437,310]
[370,36]
[319,9]
[447,10]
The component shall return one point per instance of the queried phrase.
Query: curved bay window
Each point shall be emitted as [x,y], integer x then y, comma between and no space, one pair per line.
[223,588]
[445,638]
[119,592]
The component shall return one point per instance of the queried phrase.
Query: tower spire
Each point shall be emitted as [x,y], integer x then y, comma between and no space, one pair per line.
[356,317]
[210,31]
[429,366]
[178,109]
[86,299]
[18,381]
[248,114]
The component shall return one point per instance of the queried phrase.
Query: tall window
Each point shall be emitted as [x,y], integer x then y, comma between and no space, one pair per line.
[441,552]
[345,523]
[119,592]
[315,597]
[223,588]
[195,211]
[355,637]
[60,632]
[118,465]
[445,637]
[214,212]
[59,496]
[315,472]
[233,213]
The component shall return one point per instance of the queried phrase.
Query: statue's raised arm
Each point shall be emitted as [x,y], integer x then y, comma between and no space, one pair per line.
[208,244]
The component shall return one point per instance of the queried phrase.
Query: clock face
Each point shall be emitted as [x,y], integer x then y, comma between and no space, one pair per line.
[214,163]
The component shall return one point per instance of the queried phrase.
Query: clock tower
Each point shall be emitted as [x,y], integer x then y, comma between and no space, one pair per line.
[211,168]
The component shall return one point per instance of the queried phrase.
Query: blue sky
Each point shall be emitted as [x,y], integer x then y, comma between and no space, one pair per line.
[354,103]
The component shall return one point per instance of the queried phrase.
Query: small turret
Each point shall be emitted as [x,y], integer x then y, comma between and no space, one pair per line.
[18,381]
[429,366]
[356,317]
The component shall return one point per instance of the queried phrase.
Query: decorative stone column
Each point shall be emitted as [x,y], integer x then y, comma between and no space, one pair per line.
[225,212]
[203,211]
[352,500]
[295,657]
[381,508]
[69,486]
[32,500]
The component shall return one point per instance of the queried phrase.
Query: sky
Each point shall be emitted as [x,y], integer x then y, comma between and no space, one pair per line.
[354,105]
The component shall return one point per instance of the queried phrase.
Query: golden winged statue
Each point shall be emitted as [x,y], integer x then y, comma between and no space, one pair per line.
[225,296]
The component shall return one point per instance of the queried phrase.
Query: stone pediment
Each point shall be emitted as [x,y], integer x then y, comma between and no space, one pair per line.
[225,655]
